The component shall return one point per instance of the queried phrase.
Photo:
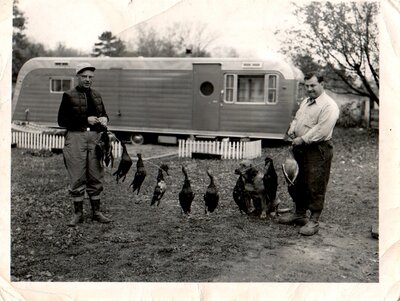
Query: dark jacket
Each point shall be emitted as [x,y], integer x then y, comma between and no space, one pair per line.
[72,113]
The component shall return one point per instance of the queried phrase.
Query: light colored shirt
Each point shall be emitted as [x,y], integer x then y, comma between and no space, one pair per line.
[315,119]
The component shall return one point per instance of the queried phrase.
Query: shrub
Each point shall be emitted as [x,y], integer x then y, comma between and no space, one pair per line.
[351,114]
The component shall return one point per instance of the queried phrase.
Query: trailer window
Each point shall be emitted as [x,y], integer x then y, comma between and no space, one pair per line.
[230,87]
[272,88]
[257,89]
[251,88]
[59,85]
[207,88]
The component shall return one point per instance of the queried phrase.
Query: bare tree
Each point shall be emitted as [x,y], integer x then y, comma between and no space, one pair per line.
[149,44]
[194,37]
[343,38]
[62,50]
[177,40]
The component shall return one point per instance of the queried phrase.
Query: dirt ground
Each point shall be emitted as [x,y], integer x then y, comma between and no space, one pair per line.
[150,244]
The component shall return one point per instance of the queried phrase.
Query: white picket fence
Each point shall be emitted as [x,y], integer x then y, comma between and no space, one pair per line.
[227,150]
[39,141]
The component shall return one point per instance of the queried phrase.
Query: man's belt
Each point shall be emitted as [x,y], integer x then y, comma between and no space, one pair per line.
[83,129]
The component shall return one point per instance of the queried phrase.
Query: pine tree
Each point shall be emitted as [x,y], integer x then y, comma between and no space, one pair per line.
[108,45]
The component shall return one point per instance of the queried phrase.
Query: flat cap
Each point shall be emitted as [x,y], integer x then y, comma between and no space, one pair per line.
[84,66]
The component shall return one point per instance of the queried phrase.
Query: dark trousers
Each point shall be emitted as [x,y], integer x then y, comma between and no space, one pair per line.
[314,160]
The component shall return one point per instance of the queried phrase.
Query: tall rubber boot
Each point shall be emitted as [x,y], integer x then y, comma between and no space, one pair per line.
[78,214]
[97,215]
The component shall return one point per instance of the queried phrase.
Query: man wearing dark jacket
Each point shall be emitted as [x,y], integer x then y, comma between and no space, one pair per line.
[83,114]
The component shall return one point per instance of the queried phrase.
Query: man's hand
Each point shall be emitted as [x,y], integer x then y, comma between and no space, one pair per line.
[298,141]
[289,137]
[103,121]
[92,120]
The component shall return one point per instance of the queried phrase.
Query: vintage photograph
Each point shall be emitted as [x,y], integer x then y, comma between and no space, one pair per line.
[195,142]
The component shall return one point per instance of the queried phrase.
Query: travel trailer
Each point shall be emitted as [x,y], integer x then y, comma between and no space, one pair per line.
[169,97]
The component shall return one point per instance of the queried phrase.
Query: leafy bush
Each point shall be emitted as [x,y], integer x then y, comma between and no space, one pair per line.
[351,115]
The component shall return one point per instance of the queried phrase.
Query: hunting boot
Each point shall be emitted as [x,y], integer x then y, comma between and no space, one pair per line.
[97,215]
[298,218]
[312,226]
[78,213]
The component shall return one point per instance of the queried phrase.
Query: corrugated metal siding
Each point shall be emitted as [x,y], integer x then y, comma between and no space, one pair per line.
[264,118]
[35,96]
[145,98]
[161,99]
[148,98]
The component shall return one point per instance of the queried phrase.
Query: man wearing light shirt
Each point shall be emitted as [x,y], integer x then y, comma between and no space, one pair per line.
[311,132]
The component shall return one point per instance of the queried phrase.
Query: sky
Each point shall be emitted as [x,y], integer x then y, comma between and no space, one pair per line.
[245,25]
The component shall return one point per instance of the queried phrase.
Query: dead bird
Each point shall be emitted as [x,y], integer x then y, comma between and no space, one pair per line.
[290,169]
[161,186]
[104,148]
[211,197]
[124,165]
[186,195]
[241,196]
[140,175]
[270,181]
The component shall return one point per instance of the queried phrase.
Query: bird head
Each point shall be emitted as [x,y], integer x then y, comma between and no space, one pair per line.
[111,136]
[267,160]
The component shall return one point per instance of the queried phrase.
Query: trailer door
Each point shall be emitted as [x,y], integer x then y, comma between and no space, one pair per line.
[207,81]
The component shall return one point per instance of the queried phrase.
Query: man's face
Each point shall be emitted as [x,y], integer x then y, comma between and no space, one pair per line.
[85,79]
[313,87]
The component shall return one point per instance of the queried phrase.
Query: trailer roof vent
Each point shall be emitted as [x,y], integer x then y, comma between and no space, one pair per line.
[61,63]
[252,65]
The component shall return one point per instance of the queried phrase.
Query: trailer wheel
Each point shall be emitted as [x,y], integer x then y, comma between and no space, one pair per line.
[137,139]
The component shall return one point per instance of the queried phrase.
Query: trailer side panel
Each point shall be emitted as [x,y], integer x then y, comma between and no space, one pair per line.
[36,103]
[148,98]
[260,118]
[179,96]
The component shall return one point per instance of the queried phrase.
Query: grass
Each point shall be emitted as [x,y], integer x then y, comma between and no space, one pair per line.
[159,244]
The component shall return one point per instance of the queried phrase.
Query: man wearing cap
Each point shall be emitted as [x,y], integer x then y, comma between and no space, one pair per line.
[83,114]
[311,132]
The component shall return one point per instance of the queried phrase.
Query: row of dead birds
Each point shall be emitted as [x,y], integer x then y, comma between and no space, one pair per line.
[186,195]
[104,153]
[211,196]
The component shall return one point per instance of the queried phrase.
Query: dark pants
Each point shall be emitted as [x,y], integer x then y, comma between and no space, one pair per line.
[314,160]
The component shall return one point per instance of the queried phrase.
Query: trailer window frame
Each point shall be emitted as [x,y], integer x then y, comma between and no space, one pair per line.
[231,82]
[230,87]
[269,89]
[62,79]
